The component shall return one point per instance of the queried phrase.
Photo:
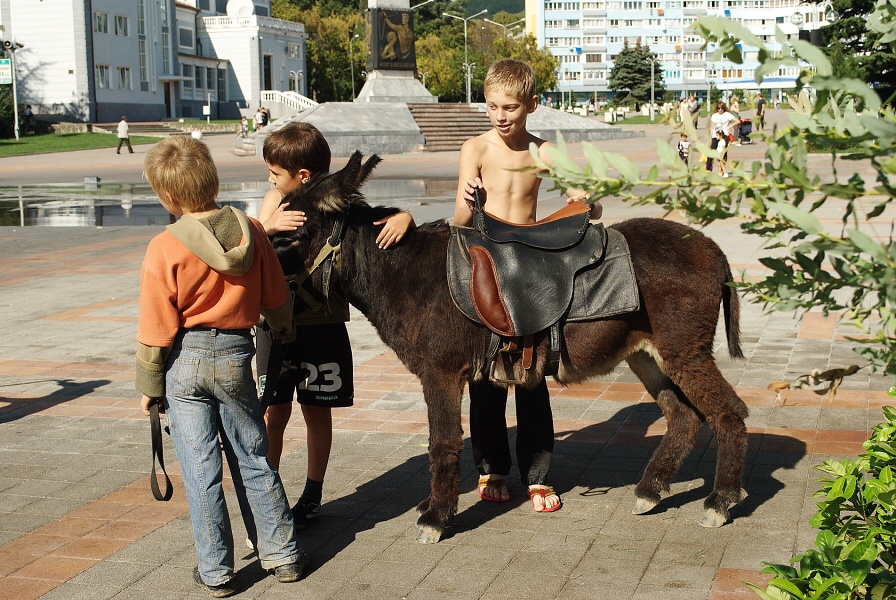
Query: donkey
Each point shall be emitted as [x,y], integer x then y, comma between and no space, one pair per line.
[683,277]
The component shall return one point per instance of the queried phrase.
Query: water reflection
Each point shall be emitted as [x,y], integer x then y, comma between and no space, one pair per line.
[94,204]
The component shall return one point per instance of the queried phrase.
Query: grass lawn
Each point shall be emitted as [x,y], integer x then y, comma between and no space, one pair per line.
[52,142]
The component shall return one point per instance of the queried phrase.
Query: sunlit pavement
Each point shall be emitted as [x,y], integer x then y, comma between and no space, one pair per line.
[77,520]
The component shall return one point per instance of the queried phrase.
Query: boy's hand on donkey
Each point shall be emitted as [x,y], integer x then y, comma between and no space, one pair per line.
[394,228]
[597,208]
[285,220]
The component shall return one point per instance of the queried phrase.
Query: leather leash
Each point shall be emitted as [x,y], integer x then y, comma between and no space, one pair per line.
[155,426]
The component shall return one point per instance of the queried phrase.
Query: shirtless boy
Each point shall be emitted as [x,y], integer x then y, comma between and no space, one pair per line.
[489,162]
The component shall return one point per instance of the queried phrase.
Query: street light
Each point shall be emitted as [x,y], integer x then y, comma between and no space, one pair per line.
[351,59]
[505,27]
[467,64]
[11,48]
[652,101]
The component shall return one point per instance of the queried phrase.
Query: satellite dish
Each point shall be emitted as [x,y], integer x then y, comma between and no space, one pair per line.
[240,8]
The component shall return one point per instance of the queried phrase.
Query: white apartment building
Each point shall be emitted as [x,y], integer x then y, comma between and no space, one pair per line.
[586,35]
[96,60]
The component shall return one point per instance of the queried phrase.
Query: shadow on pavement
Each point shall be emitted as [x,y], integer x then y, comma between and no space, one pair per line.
[622,447]
[68,390]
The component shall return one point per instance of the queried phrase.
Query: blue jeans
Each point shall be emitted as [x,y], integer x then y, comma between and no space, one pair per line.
[210,391]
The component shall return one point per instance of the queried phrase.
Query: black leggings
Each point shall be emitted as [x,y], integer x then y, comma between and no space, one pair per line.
[534,434]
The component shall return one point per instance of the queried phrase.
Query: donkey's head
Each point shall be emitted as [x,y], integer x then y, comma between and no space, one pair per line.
[326,199]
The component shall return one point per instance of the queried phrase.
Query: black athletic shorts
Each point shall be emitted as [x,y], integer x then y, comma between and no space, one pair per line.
[317,367]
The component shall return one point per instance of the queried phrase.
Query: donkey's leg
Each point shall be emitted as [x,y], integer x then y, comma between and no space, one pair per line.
[443,393]
[725,412]
[683,425]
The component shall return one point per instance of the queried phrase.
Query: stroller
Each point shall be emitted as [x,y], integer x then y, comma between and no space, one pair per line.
[744,131]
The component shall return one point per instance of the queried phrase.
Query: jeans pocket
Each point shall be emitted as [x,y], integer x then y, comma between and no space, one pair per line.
[241,384]
[182,377]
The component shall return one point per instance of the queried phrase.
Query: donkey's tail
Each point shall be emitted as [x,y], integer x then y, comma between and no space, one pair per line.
[731,309]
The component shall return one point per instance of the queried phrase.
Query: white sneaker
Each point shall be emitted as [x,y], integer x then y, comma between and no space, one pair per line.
[726,175]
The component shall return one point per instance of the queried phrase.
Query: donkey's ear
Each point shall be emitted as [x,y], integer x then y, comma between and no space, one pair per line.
[368,168]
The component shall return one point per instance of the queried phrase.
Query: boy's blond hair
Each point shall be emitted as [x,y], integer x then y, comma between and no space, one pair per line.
[298,145]
[511,77]
[182,167]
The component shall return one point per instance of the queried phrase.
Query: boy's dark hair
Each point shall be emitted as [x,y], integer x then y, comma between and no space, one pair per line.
[297,146]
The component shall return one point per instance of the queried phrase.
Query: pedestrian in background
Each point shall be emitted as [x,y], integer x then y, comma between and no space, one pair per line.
[124,135]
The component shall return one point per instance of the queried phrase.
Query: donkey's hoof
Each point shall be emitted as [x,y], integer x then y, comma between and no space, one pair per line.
[644,505]
[427,534]
[714,518]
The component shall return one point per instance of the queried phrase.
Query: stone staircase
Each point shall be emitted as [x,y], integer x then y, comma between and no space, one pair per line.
[446,126]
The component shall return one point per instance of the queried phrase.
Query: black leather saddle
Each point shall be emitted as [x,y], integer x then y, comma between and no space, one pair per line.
[518,280]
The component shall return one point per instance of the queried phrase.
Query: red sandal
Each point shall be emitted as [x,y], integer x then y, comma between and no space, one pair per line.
[495,484]
[544,491]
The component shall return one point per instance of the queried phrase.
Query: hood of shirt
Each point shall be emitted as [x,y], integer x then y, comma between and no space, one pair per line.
[223,241]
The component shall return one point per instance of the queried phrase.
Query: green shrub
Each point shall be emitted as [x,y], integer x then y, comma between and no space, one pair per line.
[855,550]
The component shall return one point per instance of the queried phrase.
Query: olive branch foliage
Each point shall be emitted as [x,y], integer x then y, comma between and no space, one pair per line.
[848,269]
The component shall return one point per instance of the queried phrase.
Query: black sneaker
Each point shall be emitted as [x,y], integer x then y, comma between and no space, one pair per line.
[293,571]
[304,513]
[215,591]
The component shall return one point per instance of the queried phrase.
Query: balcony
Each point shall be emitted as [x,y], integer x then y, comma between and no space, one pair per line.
[252,21]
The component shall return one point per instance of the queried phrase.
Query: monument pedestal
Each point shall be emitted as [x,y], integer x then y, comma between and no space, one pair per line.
[395,86]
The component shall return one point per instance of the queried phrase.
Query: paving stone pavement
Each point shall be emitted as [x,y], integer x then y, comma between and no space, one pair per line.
[77,520]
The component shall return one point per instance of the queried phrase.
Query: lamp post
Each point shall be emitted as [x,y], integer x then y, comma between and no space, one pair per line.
[351,59]
[467,64]
[505,27]
[652,101]
[11,48]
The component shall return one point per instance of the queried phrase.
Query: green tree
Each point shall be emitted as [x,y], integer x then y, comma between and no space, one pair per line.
[855,49]
[842,269]
[630,75]
[329,39]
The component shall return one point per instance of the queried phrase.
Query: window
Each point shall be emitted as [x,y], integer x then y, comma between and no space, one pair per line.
[222,85]
[185,37]
[187,72]
[552,6]
[101,22]
[141,19]
[200,77]
[166,53]
[124,78]
[572,23]
[293,51]
[121,25]
[102,77]
[210,78]
[594,58]
[141,53]
[553,24]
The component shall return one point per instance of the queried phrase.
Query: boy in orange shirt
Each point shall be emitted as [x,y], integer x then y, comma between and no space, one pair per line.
[205,282]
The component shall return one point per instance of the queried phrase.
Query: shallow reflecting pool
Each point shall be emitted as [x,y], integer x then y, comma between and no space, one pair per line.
[98,205]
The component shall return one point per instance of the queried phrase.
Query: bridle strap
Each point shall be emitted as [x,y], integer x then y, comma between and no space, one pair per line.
[323,260]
